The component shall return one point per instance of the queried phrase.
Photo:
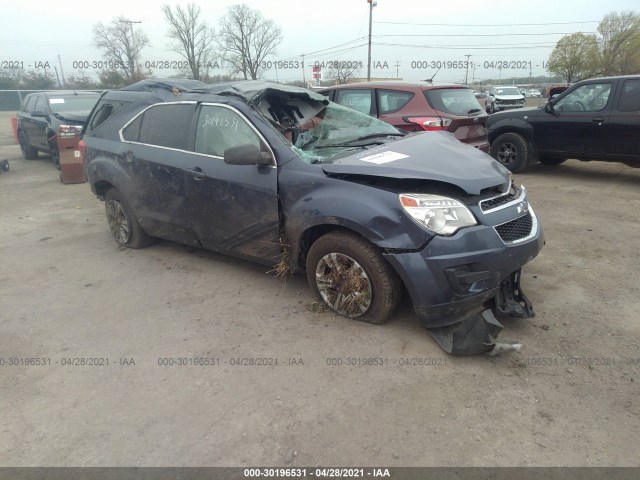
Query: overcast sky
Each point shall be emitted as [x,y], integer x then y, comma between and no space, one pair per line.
[419,35]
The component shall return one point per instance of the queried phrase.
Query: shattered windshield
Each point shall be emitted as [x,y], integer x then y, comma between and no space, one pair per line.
[337,128]
[318,130]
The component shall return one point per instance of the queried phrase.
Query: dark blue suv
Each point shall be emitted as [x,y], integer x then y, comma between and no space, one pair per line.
[281,175]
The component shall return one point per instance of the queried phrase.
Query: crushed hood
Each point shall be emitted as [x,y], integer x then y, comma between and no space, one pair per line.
[436,156]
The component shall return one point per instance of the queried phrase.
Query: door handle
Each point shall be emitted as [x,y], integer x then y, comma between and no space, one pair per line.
[197,173]
[129,157]
[598,120]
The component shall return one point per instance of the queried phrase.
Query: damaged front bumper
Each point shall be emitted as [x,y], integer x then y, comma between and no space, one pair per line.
[457,294]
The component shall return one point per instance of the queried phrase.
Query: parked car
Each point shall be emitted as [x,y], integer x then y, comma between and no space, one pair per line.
[596,119]
[416,107]
[503,98]
[534,93]
[46,116]
[366,210]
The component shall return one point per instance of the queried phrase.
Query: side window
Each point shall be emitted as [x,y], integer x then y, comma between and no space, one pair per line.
[392,100]
[39,105]
[587,98]
[220,128]
[166,125]
[358,99]
[630,96]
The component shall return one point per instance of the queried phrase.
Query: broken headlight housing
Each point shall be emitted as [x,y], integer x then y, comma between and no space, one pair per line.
[440,215]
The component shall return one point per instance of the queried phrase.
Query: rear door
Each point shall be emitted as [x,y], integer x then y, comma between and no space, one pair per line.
[578,124]
[391,107]
[232,208]
[155,159]
[623,132]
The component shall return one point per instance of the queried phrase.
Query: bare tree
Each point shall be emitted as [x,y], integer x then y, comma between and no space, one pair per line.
[343,72]
[119,44]
[620,43]
[247,38]
[574,57]
[193,37]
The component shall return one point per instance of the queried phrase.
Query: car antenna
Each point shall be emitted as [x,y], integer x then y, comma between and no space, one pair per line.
[430,80]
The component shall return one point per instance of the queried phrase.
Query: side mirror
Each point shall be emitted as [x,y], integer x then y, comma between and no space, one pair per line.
[548,107]
[38,113]
[247,154]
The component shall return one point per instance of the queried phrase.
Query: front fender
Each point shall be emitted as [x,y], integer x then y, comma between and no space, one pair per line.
[312,200]
[509,125]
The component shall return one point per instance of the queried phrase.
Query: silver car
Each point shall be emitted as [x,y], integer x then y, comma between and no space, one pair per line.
[503,98]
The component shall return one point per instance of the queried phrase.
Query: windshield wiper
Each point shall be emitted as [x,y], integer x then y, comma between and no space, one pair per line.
[337,145]
[370,137]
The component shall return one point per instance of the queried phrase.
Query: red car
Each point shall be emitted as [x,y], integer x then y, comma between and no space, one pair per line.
[418,106]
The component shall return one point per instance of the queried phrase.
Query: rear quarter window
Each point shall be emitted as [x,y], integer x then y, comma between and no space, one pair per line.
[105,110]
[454,101]
[393,100]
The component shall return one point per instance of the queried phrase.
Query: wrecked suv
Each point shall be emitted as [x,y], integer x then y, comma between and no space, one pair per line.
[280,175]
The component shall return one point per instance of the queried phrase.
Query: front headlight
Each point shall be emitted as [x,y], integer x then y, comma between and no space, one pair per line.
[440,215]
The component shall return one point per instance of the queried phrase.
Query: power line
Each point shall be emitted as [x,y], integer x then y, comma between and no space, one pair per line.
[467,47]
[477,34]
[488,25]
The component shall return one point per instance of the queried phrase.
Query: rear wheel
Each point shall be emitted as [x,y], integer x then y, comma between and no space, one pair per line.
[511,150]
[349,274]
[28,152]
[123,224]
[551,161]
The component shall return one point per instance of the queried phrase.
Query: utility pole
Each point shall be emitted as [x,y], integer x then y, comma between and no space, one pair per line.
[397,74]
[372,3]
[133,44]
[64,81]
[466,75]
[304,77]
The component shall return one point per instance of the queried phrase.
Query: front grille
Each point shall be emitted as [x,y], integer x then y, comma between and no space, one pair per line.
[512,194]
[509,102]
[515,229]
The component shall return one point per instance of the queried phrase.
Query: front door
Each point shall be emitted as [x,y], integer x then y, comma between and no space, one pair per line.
[577,125]
[232,208]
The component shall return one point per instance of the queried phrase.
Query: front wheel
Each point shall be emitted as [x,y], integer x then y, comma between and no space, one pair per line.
[28,152]
[123,224]
[55,152]
[351,277]
[511,150]
[491,109]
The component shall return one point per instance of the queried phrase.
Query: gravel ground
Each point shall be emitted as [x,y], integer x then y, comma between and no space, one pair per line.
[68,293]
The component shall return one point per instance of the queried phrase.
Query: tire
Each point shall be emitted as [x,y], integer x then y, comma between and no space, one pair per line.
[55,153]
[511,150]
[551,161]
[28,152]
[124,226]
[4,165]
[491,109]
[369,294]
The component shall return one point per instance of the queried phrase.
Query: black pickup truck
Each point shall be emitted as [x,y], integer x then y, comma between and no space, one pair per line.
[595,119]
